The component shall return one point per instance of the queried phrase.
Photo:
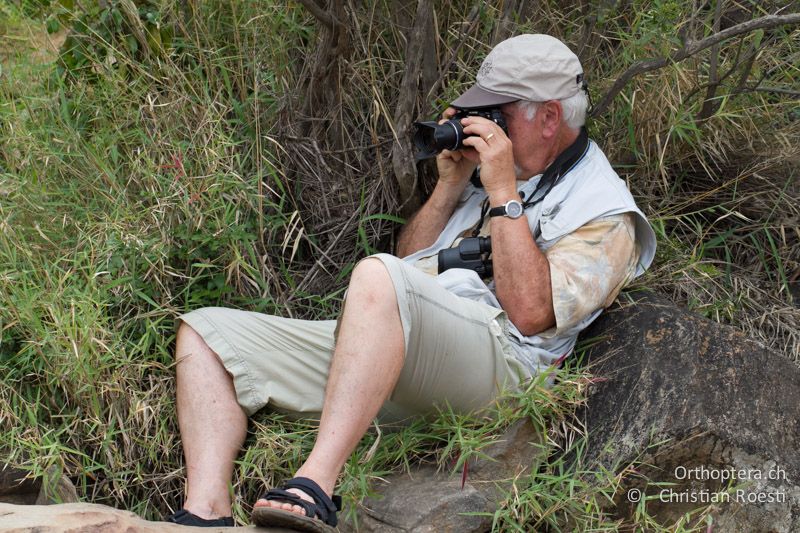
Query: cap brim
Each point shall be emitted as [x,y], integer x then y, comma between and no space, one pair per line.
[477,97]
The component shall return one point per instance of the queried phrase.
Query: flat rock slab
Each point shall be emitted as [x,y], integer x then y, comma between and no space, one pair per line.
[428,501]
[701,401]
[74,517]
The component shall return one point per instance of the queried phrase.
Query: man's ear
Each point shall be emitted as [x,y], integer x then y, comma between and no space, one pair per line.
[551,118]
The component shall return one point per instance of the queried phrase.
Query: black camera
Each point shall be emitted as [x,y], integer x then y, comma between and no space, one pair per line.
[471,253]
[430,138]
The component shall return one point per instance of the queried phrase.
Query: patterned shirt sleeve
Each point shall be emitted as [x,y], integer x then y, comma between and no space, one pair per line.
[589,267]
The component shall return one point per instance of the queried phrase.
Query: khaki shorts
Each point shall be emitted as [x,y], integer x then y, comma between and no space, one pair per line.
[457,352]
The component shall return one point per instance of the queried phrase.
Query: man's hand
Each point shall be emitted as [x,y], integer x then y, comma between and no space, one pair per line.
[454,168]
[492,148]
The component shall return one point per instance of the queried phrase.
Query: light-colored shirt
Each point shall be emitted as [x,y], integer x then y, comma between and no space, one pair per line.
[579,219]
[588,267]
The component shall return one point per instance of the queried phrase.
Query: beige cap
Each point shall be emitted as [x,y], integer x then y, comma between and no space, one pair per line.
[536,68]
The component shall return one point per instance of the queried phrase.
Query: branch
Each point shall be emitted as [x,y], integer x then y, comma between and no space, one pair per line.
[767,22]
[403,159]
[324,17]
[749,60]
[504,28]
[710,104]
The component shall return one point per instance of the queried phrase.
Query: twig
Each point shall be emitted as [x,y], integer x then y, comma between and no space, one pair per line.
[748,68]
[780,90]
[766,22]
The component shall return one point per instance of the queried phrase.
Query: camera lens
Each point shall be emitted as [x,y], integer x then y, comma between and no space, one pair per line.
[431,138]
[449,136]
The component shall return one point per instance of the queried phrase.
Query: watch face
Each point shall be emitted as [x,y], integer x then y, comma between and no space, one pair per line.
[514,209]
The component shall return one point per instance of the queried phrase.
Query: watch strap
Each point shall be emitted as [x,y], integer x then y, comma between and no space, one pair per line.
[498,211]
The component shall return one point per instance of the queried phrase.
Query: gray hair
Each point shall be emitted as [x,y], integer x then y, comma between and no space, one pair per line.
[574,109]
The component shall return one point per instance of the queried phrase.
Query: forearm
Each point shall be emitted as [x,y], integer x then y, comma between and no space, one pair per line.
[425,226]
[521,272]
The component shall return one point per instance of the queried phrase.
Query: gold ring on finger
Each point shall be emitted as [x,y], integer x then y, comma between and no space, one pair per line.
[489,137]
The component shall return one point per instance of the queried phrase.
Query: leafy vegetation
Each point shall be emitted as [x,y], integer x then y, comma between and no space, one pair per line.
[156,157]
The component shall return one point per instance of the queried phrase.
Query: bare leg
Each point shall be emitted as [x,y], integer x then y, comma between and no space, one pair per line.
[366,364]
[213,425]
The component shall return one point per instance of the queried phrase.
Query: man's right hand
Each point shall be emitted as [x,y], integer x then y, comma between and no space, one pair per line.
[454,168]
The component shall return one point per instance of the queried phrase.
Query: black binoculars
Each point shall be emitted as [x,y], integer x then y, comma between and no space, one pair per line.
[471,253]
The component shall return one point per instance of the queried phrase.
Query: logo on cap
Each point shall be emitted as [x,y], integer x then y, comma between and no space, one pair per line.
[486,69]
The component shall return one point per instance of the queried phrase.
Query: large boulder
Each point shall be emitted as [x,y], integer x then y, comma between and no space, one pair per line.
[701,407]
[689,401]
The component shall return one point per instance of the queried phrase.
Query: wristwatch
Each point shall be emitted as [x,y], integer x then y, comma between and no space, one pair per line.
[510,209]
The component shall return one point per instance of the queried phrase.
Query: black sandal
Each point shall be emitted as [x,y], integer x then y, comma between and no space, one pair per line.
[185,518]
[320,515]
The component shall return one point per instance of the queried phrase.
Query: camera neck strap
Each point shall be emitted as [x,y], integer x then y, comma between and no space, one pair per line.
[562,164]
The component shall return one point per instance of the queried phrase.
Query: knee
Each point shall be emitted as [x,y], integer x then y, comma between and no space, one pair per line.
[370,269]
[185,332]
[371,281]
[188,342]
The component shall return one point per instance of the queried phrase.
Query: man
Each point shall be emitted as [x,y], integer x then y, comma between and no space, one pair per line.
[409,339]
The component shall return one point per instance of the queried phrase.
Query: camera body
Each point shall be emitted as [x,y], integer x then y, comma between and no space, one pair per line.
[430,138]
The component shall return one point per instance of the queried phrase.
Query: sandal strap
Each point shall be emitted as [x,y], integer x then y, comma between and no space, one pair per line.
[325,507]
[280,495]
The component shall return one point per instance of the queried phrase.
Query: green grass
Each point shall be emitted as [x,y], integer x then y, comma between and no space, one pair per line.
[138,182]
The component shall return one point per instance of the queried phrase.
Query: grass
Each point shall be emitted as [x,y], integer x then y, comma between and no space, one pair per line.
[138,181]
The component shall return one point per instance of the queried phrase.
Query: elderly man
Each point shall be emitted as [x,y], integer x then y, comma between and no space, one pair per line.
[566,236]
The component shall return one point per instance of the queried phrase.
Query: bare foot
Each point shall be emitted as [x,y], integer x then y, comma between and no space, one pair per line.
[286,506]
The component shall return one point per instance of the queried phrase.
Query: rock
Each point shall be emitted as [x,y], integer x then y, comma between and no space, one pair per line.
[48,504]
[79,517]
[56,488]
[16,486]
[702,402]
[427,501]
[75,517]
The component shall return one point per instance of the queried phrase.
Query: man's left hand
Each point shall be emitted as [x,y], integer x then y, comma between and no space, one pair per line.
[493,150]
